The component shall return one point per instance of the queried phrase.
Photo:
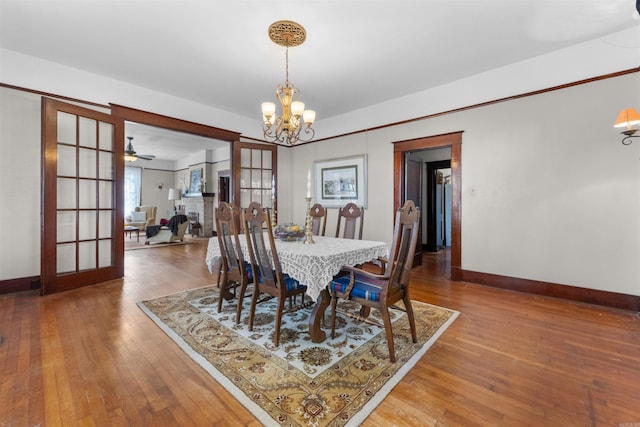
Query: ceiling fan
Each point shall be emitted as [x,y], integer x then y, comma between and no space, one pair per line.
[131,156]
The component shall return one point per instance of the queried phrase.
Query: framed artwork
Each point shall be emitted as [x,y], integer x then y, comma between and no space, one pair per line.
[340,181]
[194,180]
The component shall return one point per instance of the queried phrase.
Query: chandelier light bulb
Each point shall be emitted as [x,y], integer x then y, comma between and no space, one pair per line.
[297,108]
[268,109]
[309,116]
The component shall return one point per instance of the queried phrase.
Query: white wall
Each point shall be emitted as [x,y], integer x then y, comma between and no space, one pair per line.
[154,196]
[548,191]
[19,184]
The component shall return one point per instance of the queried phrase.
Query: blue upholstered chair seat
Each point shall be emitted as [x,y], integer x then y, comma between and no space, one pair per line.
[364,287]
[291,283]
[249,270]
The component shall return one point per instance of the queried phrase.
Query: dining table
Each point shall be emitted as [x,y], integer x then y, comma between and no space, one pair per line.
[313,265]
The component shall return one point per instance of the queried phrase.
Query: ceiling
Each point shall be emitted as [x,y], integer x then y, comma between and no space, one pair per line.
[357,53]
[167,144]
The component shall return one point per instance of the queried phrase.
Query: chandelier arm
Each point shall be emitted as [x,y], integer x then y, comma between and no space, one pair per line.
[627,140]
[277,132]
[307,130]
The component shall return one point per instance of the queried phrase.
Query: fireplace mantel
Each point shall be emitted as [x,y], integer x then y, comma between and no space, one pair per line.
[202,203]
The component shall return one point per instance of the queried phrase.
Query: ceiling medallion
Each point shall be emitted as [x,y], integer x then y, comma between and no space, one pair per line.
[287,33]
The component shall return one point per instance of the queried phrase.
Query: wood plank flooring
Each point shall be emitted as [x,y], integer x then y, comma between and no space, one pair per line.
[90,357]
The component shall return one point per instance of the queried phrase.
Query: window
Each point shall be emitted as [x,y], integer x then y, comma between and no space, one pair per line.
[132,189]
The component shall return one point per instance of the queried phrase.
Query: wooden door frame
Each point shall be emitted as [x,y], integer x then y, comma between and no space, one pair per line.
[172,123]
[166,122]
[453,140]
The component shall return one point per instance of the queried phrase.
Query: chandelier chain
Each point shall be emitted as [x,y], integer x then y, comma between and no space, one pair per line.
[286,75]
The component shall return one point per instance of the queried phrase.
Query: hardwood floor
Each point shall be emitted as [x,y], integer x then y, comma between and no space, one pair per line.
[91,357]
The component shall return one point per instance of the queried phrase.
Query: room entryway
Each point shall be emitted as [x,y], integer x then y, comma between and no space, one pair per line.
[411,148]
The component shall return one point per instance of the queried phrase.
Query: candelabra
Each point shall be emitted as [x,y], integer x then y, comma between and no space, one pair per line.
[274,218]
[308,232]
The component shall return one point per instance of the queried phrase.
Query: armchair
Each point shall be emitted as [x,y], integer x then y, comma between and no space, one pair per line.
[166,233]
[149,217]
[382,291]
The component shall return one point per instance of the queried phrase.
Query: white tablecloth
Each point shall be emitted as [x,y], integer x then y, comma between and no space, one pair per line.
[313,265]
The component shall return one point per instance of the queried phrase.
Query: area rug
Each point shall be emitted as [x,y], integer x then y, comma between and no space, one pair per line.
[338,382]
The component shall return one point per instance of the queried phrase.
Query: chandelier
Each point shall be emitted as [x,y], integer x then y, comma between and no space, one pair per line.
[294,124]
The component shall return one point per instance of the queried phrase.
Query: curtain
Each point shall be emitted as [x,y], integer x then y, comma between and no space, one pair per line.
[132,189]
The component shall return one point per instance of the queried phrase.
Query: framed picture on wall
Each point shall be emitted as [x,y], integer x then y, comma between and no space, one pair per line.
[340,181]
[194,180]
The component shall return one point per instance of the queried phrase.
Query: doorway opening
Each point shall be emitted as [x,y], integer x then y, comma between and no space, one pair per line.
[224,185]
[452,141]
[438,205]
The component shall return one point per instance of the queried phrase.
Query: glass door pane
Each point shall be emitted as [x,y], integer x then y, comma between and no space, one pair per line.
[81,242]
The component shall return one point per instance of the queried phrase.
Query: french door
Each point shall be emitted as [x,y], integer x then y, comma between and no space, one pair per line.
[254,173]
[82,196]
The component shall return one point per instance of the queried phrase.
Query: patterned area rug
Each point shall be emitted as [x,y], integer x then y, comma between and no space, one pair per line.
[300,383]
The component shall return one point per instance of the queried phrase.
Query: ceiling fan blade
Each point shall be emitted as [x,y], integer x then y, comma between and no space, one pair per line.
[145,156]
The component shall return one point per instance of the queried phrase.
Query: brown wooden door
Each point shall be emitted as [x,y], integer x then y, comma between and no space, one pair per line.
[413,188]
[82,197]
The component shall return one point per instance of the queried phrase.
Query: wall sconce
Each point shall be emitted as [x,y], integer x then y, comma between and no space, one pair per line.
[627,118]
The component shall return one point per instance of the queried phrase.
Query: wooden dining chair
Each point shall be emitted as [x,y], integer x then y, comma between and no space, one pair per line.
[266,266]
[350,215]
[382,291]
[318,216]
[234,271]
